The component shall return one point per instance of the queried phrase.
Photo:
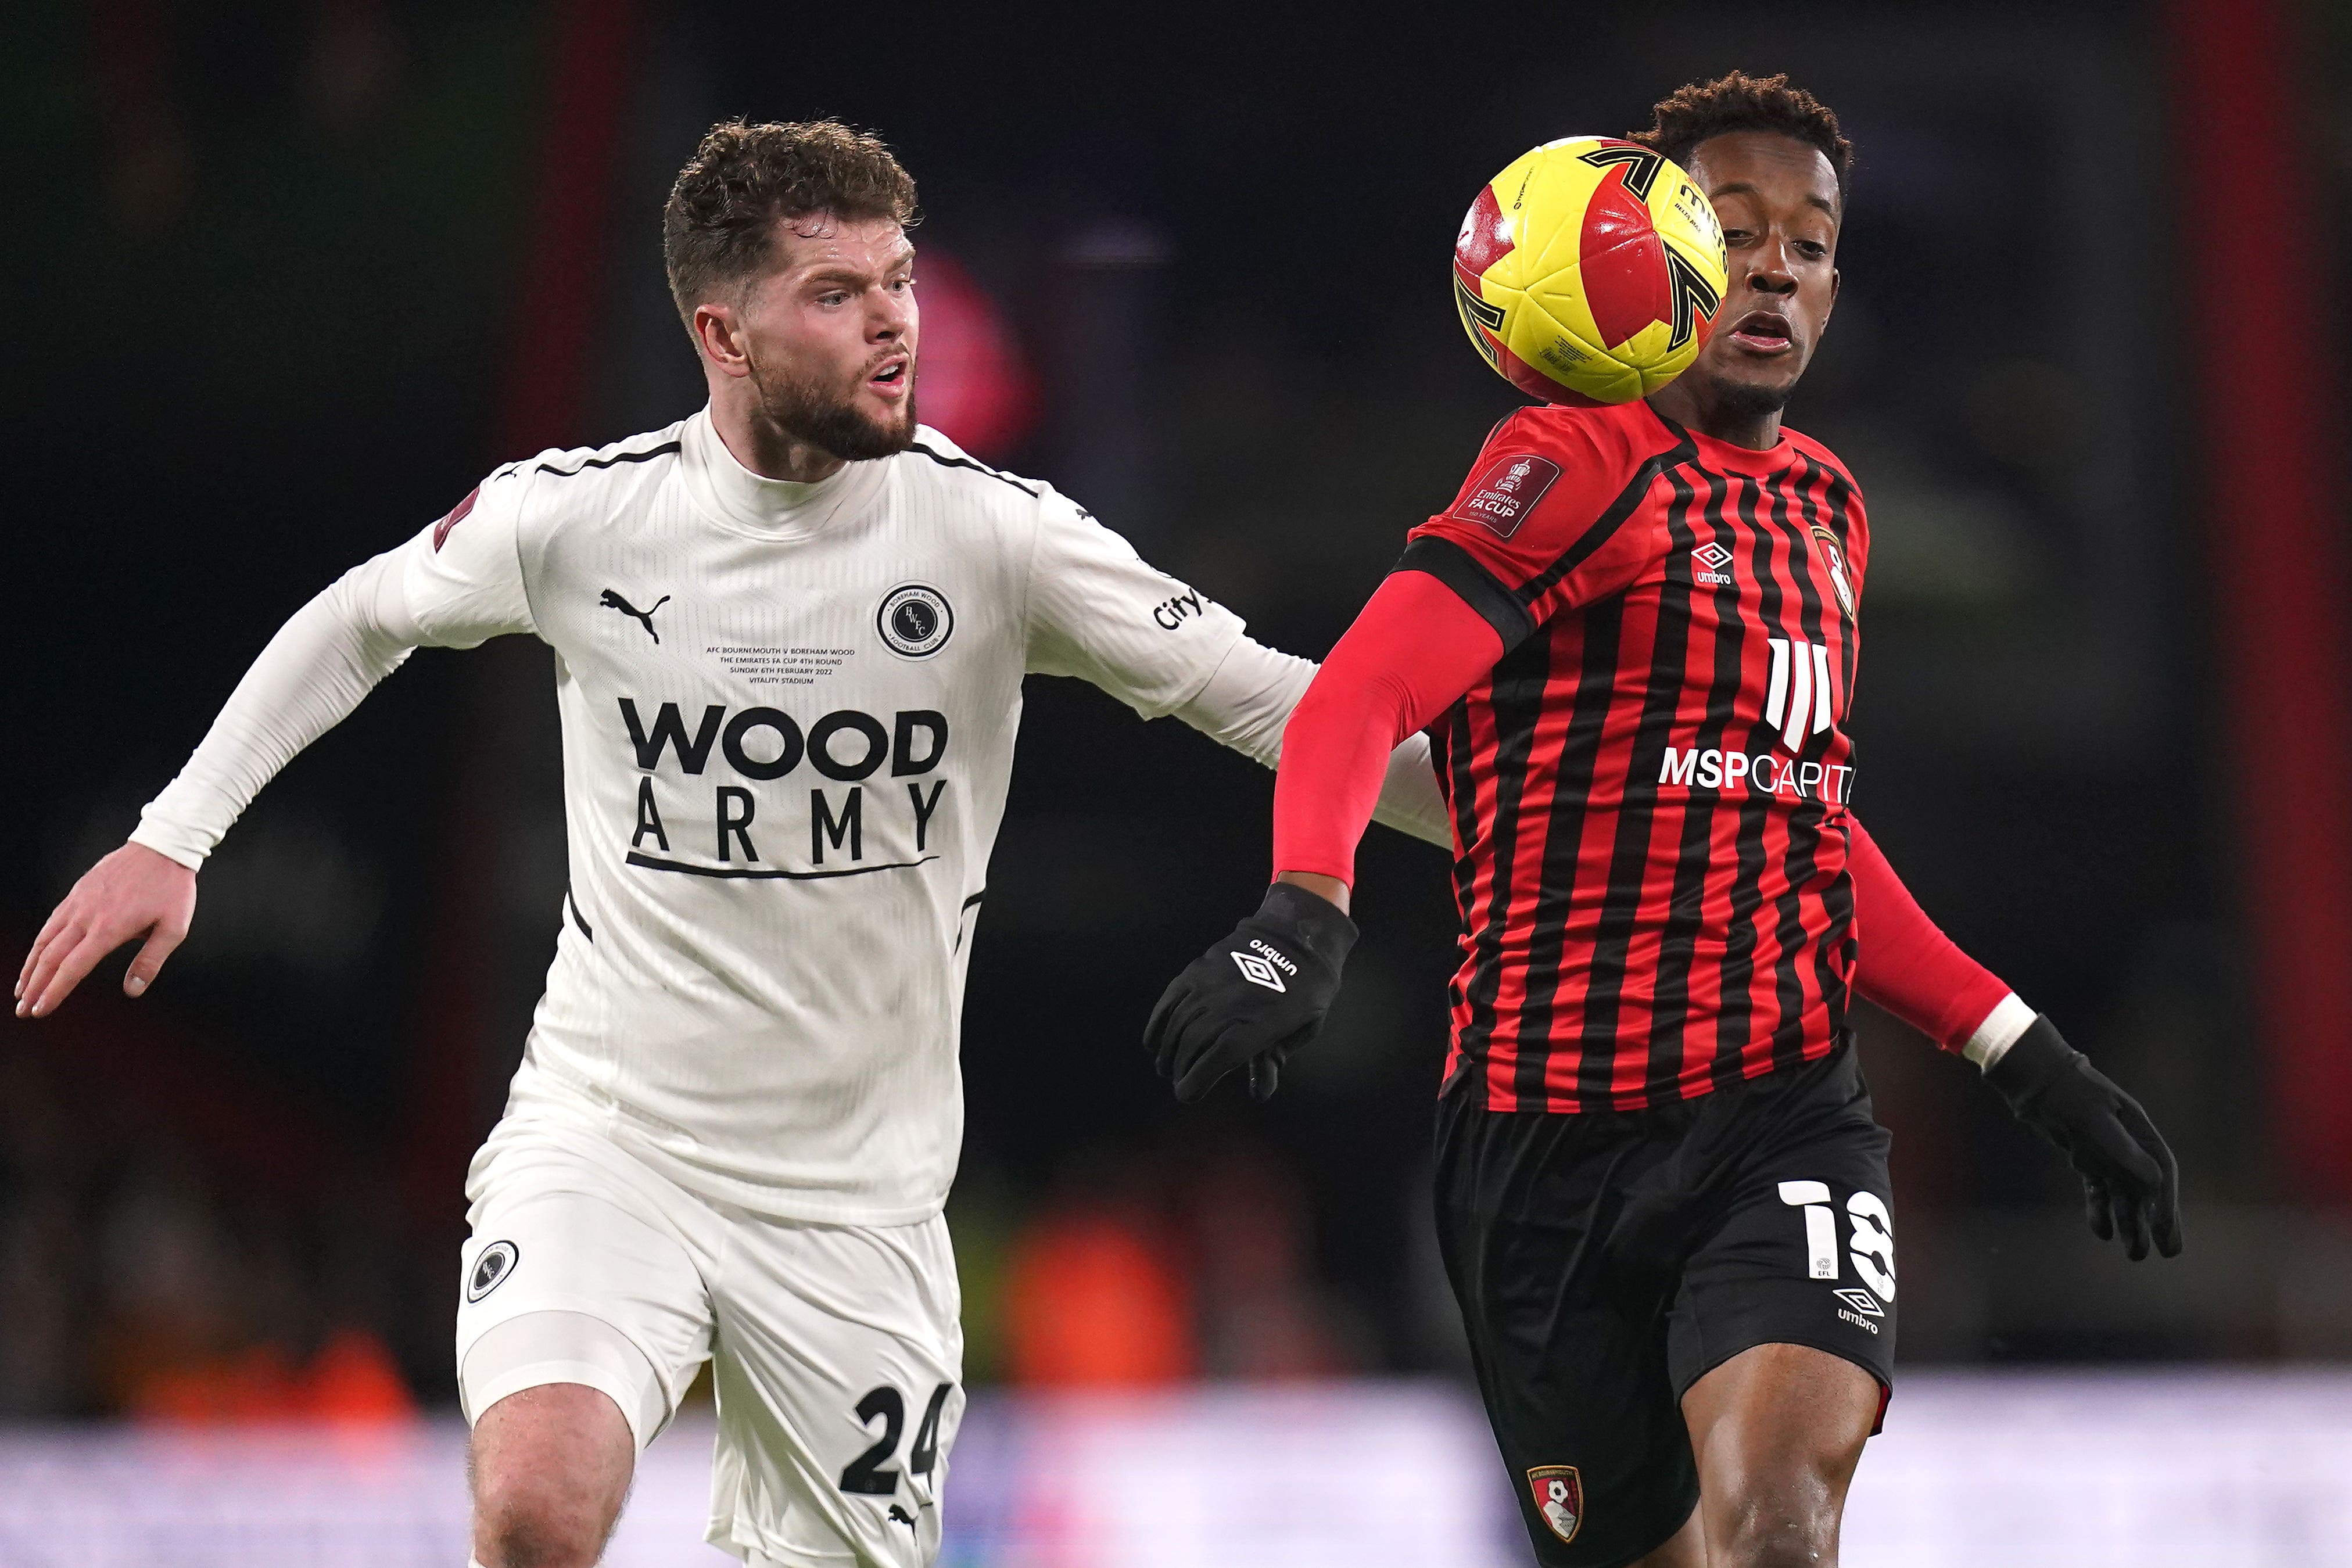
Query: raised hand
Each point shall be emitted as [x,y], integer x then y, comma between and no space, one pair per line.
[132,893]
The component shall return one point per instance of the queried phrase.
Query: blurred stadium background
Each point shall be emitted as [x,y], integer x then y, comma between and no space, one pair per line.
[283,281]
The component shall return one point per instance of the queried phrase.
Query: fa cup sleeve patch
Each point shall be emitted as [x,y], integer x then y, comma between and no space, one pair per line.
[1507,492]
[457,515]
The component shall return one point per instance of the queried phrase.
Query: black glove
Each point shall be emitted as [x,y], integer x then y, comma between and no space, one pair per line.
[1253,997]
[2130,1182]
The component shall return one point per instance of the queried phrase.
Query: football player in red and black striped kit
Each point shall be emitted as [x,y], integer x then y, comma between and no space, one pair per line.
[1661,1196]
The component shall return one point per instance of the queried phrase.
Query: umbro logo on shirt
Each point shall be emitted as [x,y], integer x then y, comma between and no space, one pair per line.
[613,600]
[1711,558]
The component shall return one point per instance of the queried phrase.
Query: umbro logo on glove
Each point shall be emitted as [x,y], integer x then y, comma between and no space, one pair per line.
[1253,997]
[1264,967]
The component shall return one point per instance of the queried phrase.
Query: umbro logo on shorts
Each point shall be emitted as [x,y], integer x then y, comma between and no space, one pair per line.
[491,1270]
[1861,1300]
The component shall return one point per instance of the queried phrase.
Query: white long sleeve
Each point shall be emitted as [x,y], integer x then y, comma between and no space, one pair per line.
[1247,703]
[322,662]
[454,585]
[1099,612]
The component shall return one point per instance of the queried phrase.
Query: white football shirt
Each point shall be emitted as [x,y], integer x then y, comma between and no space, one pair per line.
[788,714]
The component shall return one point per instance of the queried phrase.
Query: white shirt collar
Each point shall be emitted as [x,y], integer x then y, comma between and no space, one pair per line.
[769,508]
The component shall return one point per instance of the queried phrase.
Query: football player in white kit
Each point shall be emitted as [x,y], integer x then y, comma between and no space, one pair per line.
[790,635]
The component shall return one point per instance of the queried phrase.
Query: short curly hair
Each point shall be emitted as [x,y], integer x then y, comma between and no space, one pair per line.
[719,227]
[1738,101]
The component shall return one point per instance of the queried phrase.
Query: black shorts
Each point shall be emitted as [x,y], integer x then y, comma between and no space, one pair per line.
[1606,1261]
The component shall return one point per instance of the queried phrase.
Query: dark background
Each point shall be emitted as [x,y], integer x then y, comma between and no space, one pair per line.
[272,300]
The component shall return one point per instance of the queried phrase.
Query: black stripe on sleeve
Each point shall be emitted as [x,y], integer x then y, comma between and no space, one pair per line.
[1613,517]
[1476,586]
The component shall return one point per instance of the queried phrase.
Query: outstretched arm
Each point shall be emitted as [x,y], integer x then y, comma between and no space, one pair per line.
[1412,652]
[312,673]
[1100,613]
[1913,970]
[1249,704]
[2131,1184]
[1261,993]
[449,586]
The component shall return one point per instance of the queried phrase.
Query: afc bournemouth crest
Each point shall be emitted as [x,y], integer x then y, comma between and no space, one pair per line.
[915,621]
[491,1269]
[1560,1498]
[1834,559]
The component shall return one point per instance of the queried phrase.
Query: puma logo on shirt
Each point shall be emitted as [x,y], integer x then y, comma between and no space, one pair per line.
[613,600]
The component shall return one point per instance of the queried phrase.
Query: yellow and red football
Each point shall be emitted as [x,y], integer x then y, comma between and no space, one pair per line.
[1590,271]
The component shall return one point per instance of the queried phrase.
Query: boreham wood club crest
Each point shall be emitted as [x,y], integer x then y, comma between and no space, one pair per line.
[1560,1498]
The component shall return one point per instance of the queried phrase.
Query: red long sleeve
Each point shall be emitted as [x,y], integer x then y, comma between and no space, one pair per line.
[1414,648]
[1907,966]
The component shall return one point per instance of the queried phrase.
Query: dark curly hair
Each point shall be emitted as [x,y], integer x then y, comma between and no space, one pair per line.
[719,227]
[1693,112]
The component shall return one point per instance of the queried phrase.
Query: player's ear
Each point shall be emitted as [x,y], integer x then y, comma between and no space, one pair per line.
[719,333]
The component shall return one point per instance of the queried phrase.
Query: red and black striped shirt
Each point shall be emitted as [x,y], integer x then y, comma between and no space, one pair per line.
[1649,788]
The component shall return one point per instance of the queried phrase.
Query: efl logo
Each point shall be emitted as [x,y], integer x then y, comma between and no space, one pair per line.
[1800,683]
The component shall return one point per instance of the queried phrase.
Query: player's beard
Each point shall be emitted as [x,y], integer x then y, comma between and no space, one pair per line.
[809,412]
[1750,400]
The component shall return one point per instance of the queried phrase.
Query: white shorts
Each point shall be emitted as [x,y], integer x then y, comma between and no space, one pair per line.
[836,1351]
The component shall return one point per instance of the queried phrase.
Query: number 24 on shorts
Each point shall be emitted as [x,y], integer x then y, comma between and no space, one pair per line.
[1874,1234]
[869,1473]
